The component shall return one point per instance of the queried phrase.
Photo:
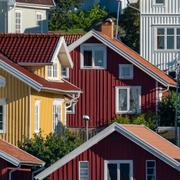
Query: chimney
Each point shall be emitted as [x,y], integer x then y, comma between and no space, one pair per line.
[107,27]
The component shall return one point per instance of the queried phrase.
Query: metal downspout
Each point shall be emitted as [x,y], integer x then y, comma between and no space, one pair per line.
[13,170]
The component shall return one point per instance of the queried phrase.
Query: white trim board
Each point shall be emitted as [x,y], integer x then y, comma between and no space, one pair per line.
[115,127]
[124,54]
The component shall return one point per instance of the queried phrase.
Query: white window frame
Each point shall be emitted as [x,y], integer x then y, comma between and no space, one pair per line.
[2,81]
[67,75]
[93,46]
[41,24]
[147,168]
[121,66]
[37,103]
[57,102]
[165,38]
[3,103]
[51,69]
[128,99]
[20,12]
[80,169]
[106,162]
[73,109]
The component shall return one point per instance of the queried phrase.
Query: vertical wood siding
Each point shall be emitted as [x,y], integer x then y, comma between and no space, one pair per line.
[16,94]
[38,70]
[98,87]
[120,149]
[153,16]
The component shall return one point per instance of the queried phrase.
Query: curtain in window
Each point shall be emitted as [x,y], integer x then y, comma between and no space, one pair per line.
[134,99]
[99,58]
[57,118]
[123,99]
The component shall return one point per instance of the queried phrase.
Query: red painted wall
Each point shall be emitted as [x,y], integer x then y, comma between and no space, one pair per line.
[115,147]
[98,86]
[22,174]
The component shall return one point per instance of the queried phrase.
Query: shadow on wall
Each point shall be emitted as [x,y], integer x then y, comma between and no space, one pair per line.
[42,27]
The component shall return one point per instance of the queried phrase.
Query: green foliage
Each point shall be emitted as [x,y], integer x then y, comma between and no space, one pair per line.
[52,147]
[73,21]
[58,17]
[148,119]
[167,109]
[130,28]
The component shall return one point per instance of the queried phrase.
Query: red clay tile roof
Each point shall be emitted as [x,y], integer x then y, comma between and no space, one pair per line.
[143,61]
[64,86]
[154,140]
[29,48]
[43,2]
[70,38]
[19,155]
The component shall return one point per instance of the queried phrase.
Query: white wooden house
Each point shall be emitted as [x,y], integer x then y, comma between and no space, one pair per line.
[160,32]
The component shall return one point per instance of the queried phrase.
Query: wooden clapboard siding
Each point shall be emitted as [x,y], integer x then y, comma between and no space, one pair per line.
[16,94]
[38,70]
[46,110]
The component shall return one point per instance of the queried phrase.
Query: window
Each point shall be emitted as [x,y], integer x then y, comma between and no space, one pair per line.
[93,56]
[64,72]
[52,71]
[37,116]
[2,81]
[39,21]
[18,22]
[83,170]
[70,109]
[128,99]
[118,170]
[168,38]
[159,1]
[150,170]
[2,115]
[125,71]
[57,116]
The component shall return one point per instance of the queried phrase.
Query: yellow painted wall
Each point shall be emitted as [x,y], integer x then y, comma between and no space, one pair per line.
[46,110]
[17,98]
[38,70]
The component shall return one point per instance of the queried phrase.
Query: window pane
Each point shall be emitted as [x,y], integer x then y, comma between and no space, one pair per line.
[123,99]
[159,1]
[84,171]
[99,58]
[178,42]
[87,58]
[151,178]
[124,172]
[178,31]
[161,31]
[170,31]
[55,70]
[134,99]
[112,171]
[150,164]
[151,171]
[1,117]
[170,42]
[160,42]
[57,118]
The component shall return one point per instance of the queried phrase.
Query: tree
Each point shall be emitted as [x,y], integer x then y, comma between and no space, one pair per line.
[52,147]
[130,28]
[58,17]
[167,109]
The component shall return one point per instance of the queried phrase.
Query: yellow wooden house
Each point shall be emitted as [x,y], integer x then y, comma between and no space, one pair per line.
[34,94]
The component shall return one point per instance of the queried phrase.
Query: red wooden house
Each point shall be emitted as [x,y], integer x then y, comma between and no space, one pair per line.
[125,152]
[16,164]
[113,78]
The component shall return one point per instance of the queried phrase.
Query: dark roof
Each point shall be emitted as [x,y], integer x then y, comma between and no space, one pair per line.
[70,38]
[43,2]
[43,84]
[15,155]
[29,48]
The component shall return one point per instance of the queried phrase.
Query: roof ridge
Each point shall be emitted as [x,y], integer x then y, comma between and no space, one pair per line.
[30,35]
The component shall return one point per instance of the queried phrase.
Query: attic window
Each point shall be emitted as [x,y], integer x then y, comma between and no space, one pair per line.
[52,71]
[93,56]
[159,2]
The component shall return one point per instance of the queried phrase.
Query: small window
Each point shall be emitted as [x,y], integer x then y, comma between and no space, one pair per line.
[170,38]
[83,170]
[159,1]
[70,109]
[93,56]
[37,116]
[64,72]
[125,71]
[39,22]
[57,116]
[128,99]
[2,115]
[150,170]
[18,22]
[52,71]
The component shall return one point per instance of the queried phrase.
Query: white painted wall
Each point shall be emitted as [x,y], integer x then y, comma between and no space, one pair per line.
[152,17]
